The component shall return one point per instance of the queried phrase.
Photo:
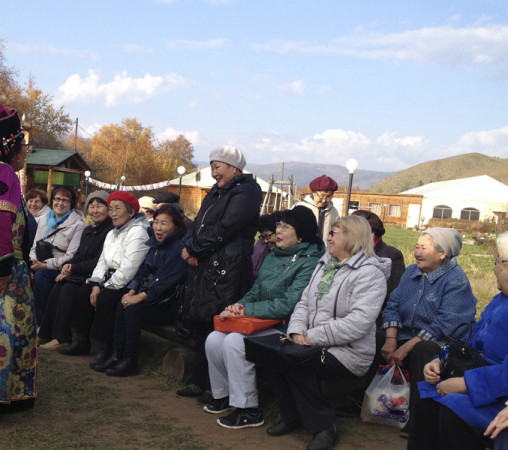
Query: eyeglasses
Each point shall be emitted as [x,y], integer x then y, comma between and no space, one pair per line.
[266,237]
[283,226]
[323,195]
[332,233]
[61,200]
[497,261]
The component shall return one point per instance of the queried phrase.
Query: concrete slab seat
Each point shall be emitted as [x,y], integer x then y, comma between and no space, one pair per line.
[178,359]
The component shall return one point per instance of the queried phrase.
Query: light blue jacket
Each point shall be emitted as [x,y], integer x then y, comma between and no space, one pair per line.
[430,306]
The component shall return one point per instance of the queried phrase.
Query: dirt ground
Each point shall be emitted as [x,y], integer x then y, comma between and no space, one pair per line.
[140,410]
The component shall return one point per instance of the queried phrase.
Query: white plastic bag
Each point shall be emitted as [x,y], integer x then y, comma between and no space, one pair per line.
[386,400]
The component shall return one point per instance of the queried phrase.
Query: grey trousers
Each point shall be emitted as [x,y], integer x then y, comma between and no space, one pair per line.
[230,373]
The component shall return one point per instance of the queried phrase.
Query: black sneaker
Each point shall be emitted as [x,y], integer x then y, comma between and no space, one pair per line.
[191,390]
[241,418]
[217,406]
[205,398]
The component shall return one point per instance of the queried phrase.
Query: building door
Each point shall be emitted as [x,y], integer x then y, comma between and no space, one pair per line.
[413,215]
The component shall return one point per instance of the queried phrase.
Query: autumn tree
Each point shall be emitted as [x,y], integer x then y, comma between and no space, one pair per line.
[48,123]
[178,152]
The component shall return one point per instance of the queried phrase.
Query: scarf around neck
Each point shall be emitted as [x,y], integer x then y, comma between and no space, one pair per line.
[53,222]
[329,271]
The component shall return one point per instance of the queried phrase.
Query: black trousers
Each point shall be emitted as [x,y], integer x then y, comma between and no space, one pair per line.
[60,309]
[439,428]
[199,375]
[415,361]
[299,393]
[128,324]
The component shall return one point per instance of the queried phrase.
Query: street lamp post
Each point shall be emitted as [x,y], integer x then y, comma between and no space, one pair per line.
[351,166]
[122,179]
[87,176]
[181,171]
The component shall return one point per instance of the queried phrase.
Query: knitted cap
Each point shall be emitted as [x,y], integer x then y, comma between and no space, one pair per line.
[101,196]
[304,222]
[449,239]
[323,183]
[126,197]
[228,155]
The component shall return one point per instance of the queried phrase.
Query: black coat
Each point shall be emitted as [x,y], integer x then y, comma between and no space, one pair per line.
[398,267]
[90,248]
[222,241]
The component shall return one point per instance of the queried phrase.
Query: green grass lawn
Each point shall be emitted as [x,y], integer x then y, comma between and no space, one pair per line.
[475,260]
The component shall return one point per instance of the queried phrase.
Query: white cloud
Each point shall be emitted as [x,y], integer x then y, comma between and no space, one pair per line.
[50,49]
[196,45]
[490,138]
[323,90]
[138,49]
[445,45]
[170,134]
[295,87]
[122,89]
[90,130]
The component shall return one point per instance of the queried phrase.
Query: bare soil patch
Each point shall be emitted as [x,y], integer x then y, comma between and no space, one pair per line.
[80,408]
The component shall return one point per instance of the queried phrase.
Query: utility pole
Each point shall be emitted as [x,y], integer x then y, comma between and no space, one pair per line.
[76,137]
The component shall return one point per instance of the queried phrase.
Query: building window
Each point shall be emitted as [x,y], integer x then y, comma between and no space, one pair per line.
[375,208]
[442,212]
[395,210]
[470,214]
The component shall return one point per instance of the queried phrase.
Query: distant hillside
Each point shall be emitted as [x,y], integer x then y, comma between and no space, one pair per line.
[304,173]
[463,166]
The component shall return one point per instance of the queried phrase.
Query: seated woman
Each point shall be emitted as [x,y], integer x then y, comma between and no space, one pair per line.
[37,204]
[281,281]
[149,297]
[433,297]
[338,310]
[62,228]
[123,252]
[56,322]
[267,239]
[465,409]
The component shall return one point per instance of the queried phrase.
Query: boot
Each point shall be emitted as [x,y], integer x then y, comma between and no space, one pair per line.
[125,368]
[113,360]
[77,348]
[102,355]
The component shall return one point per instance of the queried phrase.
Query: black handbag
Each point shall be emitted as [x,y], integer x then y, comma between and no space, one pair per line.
[279,353]
[44,249]
[456,357]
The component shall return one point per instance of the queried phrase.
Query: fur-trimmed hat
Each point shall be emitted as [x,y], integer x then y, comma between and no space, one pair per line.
[126,197]
[228,155]
[323,183]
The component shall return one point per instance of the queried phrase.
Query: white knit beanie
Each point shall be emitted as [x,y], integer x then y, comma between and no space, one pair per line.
[228,155]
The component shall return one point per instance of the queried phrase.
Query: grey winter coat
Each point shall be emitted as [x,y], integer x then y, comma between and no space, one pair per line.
[344,319]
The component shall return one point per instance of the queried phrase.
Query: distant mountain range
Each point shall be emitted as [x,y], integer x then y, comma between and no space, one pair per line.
[304,173]
[455,167]
[462,166]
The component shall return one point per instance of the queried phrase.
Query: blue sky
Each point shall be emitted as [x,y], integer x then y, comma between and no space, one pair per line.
[391,83]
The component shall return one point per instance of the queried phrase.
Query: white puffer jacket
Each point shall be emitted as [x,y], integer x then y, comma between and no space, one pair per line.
[344,319]
[124,250]
[67,239]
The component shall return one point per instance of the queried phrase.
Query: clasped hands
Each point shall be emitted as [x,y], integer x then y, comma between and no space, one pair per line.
[234,310]
[432,374]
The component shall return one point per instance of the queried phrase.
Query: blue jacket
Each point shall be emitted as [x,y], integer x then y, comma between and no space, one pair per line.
[170,268]
[430,305]
[487,387]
